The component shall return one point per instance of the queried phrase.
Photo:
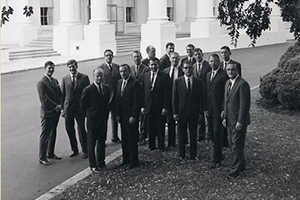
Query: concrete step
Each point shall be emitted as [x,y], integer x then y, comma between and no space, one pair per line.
[128,45]
[30,50]
[33,56]
[39,45]
[31,53]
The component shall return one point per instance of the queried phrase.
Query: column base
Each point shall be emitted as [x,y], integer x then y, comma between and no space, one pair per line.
[186,26]
[157,34]
[205,28]
[27,34]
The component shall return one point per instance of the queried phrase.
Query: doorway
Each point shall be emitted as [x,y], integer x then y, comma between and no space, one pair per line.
[116,16]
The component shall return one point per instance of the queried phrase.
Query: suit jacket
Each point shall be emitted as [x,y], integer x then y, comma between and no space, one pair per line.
[215,93]
[71,96]
[146,61]
[187,104]
[164,62]
[185,58]
[238,66]
[158,98]
[94,103]
[111,79]
[139,75]
[237,103]
[129,104]
[204,70]
[49,95]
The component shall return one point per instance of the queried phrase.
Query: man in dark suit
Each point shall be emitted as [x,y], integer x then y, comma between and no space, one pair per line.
[50,98]
[174,72]
[226,53]
[138,71]
[190,55]
[128,112]
[187,108]
[165,59]
[151,51]
[72,86]
[201,68]
[111,77]
[155,90]
[94,102]
[215,82]
[237,117]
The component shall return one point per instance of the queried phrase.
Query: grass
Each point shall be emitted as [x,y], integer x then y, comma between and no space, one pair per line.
[273,166]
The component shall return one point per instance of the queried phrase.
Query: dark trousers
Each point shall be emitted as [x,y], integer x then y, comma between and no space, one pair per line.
[113,118]
[216,128]
[48,135]
[201,128]
[191,124]
[156,127]
[171,130]
[129,135]
[143,127]
[237,145]
[69,124]
[96,139]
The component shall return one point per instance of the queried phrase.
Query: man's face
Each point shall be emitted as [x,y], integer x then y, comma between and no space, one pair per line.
[137,58]
[190,51]
[108,56]
[214,62]
[153,65]
[231,71]
[73,68]
[198,56]
[98,77]
[187,69]
[49,70]
[170,49]
[124,72]
[174,59]
[152,52]
[225,54]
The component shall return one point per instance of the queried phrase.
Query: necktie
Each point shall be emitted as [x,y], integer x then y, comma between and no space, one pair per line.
[123,87]
[225,65]
[100,89]
[110,68]
[229,87]
[199,69]
[189,84]
[212,75]
[152,81]
[73,81]
[172,74]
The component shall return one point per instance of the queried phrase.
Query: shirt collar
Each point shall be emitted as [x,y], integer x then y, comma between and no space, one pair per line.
[48,77]
[74,75]
[233,80]
[215,71]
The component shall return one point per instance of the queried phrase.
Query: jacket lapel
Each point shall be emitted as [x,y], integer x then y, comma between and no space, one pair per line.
[233,88]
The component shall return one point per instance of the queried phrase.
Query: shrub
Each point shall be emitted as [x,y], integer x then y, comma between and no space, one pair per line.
[281,86]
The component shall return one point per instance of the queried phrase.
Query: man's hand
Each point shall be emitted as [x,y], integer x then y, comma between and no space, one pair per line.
[143,111]
[206,113]
[176,117]
[238,126]
[164,112]
[132,120]
[62,113]
[224,123]
[222,114]
[58,109]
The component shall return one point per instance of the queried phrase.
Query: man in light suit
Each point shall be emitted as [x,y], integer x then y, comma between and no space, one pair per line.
[72,86]
[111,77]
[50,98]
[215,82]
[201,68]
[138,70]
[226,53]
[128,112]
[94,102]
[155,104]
[174,72]
[151,51]
[190,55]
[187,102]
[165,59]
[237,118]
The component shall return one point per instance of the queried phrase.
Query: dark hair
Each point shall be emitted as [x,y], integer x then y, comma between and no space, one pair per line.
[169,44]
[190,45]
[149,47]
[72,61]
[214,55]
[198,49]
[108,50]
[48,63]
[125,65]
[187,62]
[154,59]
[138,52]
[226,47]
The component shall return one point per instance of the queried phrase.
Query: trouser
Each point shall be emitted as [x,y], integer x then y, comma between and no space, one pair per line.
[129,135]
[113,118]
[143,127]
[237,145]
[48,135]
[156,125]
[216,128]
[70,127]
[171,130]
[201,128]
[191,124]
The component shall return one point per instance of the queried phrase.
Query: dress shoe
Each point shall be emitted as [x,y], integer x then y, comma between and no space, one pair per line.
[95,170]
[142,141]
[54,157]
[232,175]
[102,166]
[75,153]
[200,139]
[85,156]
[215,165]
[131,166]
[45,162]
[116,140]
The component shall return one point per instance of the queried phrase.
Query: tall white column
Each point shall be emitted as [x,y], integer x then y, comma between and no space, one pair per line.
[206,24]
[99,12]
[69,27]
[157,31]
[191,12]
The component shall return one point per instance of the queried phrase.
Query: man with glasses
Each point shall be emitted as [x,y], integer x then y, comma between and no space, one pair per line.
[190,55]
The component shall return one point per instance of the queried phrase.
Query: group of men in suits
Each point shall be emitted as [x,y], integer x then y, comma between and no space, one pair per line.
[143,98]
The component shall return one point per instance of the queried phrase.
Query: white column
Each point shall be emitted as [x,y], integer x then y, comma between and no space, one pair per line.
[191,12]
[69,27]
[158,30]
[205,10]
[99,12]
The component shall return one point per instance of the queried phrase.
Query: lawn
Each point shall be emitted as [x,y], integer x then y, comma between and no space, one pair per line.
[273,168]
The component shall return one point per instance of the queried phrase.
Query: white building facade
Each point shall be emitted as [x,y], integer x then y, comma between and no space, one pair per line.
[88,27]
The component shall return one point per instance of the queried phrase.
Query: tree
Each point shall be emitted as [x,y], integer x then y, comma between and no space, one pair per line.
[254,17]
[8,10]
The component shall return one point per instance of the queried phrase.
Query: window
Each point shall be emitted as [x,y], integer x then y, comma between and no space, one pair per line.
[130,14]
[46,16]
[170,10]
